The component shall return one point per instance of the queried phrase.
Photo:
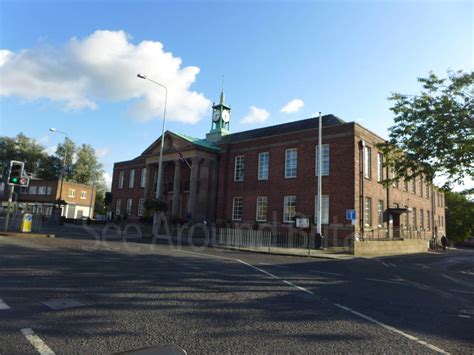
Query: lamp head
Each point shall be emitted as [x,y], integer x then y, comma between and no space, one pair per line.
[52,129]
[141,76]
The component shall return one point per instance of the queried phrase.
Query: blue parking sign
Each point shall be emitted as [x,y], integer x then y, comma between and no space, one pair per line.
[351,215]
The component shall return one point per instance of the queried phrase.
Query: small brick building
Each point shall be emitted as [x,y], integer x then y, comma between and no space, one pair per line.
[41,196]
[269,175]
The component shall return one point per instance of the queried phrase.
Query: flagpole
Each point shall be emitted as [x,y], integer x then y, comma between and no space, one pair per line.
[320,181]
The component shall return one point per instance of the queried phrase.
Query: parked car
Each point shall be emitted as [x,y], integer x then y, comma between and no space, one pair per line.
[469,242]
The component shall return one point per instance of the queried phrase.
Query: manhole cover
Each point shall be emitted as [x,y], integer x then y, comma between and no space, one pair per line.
[62,303]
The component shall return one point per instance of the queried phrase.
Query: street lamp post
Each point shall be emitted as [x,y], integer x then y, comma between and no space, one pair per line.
[158,192]
[63,170]
[320,180]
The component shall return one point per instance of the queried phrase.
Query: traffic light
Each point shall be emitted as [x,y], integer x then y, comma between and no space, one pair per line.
[16,174]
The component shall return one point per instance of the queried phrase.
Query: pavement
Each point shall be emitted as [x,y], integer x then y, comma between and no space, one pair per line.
[130,296]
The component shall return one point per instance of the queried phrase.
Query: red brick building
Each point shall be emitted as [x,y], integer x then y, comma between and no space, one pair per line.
[269,175]
[41,196]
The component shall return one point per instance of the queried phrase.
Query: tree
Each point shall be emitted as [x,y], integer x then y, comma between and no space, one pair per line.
[65,152]
[49,167]
[81,165]
[21,148]
[100,207]
[87,169]
[459,212]
[433,131]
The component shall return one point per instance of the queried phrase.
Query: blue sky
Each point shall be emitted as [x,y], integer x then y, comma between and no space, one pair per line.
[339,57]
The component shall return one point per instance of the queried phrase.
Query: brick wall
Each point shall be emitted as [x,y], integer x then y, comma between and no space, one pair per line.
[338,185]
[396,195]
[135,193]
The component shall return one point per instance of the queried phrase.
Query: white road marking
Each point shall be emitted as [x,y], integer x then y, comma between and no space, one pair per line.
[459,282]
[383,325]
[464,316]
[258,269]
[3,305]
[386,264]
[423,266]
[326,273]
[467,273]
[387,281]
[298,287]
[36,341]
[462,291]
[392,329]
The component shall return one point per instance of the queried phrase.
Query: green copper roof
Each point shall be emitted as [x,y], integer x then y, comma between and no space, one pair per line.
[197,141]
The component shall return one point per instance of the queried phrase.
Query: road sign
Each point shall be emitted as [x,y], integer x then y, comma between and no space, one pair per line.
[351,215]
[302,222]
[26,222]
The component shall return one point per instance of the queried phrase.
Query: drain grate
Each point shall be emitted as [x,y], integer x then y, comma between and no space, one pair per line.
[62,303]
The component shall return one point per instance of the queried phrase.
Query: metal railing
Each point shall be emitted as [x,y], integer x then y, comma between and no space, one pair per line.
[14,223]
[397,233]
[292,239]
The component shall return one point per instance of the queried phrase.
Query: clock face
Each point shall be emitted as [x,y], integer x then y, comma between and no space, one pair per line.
[216,115]
[225,116]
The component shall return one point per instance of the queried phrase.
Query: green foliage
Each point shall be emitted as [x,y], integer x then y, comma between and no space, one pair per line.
[87,168]
[49,168]
[81,164]
[65,152]
[100,206]
[21,148]
[459,216]
[434,130]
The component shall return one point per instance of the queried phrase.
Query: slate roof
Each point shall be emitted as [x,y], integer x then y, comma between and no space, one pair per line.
[310,123]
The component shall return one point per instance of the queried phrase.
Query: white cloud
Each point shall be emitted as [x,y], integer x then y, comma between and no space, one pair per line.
[255,115]
[104,66]
[50,150]
[102,152]
[43,140]
[293,106]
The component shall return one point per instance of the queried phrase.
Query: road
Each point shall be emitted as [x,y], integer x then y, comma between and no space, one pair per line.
[206,300]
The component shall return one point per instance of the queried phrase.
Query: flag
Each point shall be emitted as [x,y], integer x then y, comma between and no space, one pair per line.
[181,157]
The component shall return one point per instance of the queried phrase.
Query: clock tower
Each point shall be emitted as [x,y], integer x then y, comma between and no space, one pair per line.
[220,120]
